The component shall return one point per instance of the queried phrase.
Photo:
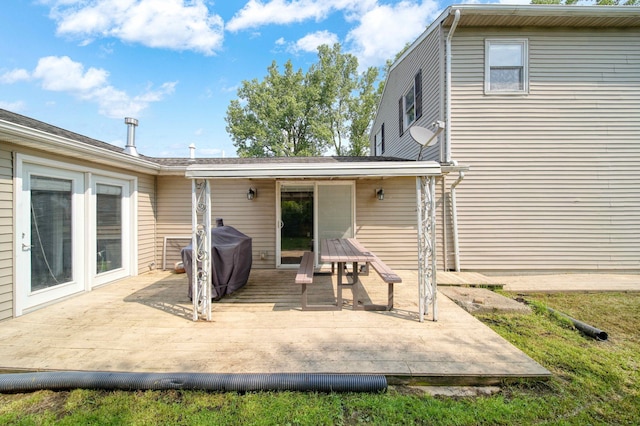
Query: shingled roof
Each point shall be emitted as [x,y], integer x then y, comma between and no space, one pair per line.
[34,124]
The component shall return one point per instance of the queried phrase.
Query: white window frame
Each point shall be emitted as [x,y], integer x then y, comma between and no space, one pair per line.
[405,108]
[524,46]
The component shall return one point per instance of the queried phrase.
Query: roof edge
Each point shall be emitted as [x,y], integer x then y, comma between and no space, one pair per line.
[71,147]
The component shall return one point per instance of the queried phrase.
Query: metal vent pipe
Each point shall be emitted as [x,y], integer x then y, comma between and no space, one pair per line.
[130,148]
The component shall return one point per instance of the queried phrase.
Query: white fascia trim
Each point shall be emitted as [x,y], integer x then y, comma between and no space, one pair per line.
[520,10]
[315,170]
[61,145]
[549,10]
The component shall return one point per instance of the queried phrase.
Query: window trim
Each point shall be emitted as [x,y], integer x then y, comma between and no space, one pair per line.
[416,89]
[524,43]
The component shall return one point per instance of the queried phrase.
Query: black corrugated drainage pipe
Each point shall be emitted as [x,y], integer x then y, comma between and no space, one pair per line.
[587,329]
[303,382]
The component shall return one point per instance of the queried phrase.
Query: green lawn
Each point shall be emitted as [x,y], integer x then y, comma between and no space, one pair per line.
[593,383]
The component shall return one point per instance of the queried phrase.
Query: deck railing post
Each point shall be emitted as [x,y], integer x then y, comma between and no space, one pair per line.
[201,243]
[427,287]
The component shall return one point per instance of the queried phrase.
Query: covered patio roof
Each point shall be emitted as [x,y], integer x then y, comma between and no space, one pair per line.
[313,167]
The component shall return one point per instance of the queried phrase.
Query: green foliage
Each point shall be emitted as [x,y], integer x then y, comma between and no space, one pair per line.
[593,383]
[305,114]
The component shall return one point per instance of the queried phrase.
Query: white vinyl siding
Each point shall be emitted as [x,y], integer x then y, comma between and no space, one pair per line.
[146,223]
[6,234]
[388,227]
[254,218]
[553,183]
[428,61]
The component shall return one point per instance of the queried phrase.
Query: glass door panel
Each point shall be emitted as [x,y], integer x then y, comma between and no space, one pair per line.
[335,211]
[51,232]
[296,222]
[108,228]
[50,257]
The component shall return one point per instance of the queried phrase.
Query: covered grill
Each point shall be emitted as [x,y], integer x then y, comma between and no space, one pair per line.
[231,258]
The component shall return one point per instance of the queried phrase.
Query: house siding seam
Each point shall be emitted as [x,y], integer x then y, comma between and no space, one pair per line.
[554,174]
[6,233]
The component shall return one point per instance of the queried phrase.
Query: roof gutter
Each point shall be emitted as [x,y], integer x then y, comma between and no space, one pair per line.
[21,135]
[447,99]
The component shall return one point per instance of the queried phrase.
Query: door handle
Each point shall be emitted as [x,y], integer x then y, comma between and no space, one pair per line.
[26,247]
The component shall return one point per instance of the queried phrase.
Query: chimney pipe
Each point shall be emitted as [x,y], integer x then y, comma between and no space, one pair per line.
[192,152]
[130,148]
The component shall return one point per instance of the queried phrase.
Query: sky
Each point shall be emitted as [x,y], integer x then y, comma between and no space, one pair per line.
[175,65]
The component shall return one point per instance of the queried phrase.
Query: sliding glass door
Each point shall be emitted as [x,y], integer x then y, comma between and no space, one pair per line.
[310,211]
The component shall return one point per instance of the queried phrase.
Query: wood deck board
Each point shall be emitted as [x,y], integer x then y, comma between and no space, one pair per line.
[144,324]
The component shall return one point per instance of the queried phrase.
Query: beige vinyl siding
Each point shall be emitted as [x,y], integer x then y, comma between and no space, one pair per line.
[6,233]
[426,57]
[389,227]
[553,183]
[146,223]
[229,201]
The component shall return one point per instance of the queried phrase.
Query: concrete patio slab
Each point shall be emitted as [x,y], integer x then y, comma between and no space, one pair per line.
[144,324]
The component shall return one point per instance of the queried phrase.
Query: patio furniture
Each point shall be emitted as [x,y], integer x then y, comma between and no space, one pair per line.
[304,277]
[231,259]
[350,250]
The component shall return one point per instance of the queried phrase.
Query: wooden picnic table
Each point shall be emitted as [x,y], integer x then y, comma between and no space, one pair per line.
[343,251]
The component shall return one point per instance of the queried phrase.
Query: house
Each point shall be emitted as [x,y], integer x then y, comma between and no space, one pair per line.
[78,213]
[542,102]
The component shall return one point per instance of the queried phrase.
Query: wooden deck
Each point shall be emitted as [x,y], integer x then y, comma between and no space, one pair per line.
[143,324]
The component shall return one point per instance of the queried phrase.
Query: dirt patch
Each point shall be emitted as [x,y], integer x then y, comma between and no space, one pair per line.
[482,300]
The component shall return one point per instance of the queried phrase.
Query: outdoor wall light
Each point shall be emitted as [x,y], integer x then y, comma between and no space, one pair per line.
[380,194]
[253,193]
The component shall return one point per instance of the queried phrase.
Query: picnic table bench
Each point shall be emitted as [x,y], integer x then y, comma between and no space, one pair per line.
[342,251]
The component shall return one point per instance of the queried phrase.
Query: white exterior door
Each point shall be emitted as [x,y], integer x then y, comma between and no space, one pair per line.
[75,230]
[50,235]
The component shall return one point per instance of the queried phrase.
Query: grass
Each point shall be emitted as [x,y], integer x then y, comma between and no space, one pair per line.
[593,383]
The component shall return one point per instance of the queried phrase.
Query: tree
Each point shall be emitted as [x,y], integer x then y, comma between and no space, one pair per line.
[347,101]
[274,117]
[331,106]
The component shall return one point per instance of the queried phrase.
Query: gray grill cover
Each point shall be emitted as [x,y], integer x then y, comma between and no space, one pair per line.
[231,258]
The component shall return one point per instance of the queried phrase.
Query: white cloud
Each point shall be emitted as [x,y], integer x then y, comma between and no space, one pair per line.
[384,30]
[13,106]
[310,42]
[62,74]
[257,13]
[170,24]
[14,76]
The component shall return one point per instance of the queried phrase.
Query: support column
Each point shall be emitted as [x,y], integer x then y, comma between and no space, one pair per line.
[427,286]
[201,243]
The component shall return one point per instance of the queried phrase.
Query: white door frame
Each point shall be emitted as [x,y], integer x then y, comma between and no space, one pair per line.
[315,184]
[84,246]
[25,299]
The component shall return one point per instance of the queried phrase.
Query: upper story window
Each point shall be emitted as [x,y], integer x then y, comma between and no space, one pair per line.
[410,104]
[379,141]
[506,66]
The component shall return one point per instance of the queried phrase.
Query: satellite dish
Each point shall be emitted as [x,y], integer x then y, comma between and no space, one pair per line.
[425,137]
[422,135]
